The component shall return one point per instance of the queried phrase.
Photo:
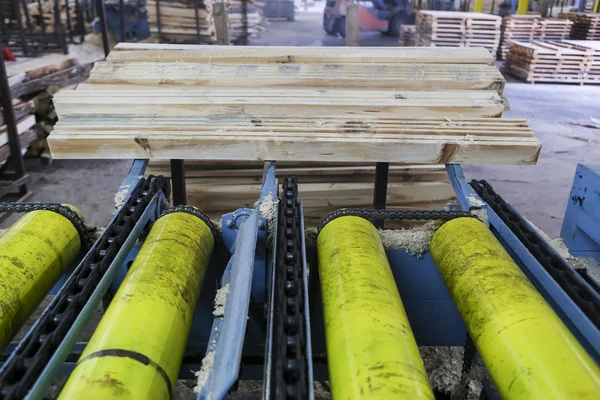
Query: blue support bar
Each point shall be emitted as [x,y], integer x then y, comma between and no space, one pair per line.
[228,331]
[136,172]
[583,329]
[513,6]
[581,226]
[581,6]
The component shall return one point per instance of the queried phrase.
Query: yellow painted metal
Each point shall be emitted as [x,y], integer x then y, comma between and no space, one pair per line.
[523,7]
[34,252]
[478,6]
[597,6]
[137,349]
[371,350]
[529,352]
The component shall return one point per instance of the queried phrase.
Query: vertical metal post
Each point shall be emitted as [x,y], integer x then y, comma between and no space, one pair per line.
[178,182]
[221,23]
[14,142]
[24,46]
[197,16]
[104,28]
[27,16]
[69,27]
[158,23]
[596,6]
[61,36]
[80,24]
[42,22]
[513,6]
[352,25]
[122,19]
[380,192]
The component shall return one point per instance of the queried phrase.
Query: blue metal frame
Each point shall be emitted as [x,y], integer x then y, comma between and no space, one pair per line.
[581,226]
[587,334]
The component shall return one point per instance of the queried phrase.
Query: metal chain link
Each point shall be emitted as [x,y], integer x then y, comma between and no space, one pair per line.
[65,211]
[289,370]
[217,235]
[397,215]
[561,271]
[24,366]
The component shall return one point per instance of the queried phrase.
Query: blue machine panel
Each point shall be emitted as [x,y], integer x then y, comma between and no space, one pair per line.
[581,226]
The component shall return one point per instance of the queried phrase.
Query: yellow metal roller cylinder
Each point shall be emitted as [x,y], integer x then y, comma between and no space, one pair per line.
[529,352]
[137,349]
[34,252]
[371,350]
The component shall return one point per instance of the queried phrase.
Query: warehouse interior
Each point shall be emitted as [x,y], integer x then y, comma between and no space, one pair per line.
[354,199]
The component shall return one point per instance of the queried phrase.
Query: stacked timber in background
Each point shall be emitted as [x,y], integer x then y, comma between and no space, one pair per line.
[325,115]
[32,84]
[565,62]
[68,11]
[586,26]
[178,20]
[407,35]
[527,28]
[458,29]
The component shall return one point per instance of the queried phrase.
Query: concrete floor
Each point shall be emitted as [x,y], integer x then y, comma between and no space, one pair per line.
[556,113]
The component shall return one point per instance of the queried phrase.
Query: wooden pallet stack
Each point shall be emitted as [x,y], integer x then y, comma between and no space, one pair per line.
[407,35]
[527,28]
[592,69]
[178,20]
[325,115]
[67,10]
[458,29]
[548,61]
[586,26]
[552,29]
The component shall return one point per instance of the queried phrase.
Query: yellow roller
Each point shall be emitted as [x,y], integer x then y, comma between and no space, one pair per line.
[137,349]
[34,252]
[371,350]
[529,352]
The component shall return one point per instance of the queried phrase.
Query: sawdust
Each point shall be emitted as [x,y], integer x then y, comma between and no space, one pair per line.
[475,202]
[219,225]
[207,364]
[443,365]
[2,231]
[557,244]
[120,197]
[221,301]
[268,208]
[96,232]
[482,215]
[414,240]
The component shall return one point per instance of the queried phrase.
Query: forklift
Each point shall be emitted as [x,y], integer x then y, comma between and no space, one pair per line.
[384,16]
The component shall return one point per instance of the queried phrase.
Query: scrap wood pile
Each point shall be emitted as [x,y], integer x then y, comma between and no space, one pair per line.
[458,29]
[526,28]
[226,109]
[42,15]
[586,26]
[32,84]
[178,20]
[566,61]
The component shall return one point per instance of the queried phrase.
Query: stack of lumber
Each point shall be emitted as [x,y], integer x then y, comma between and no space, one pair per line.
[68,10]
[552,29]
[551,62]
[32,83]
[586,26]
[324,114]
[458,29]
[527,28]
[178,20]
[25,120]
[592,69]
[407,35]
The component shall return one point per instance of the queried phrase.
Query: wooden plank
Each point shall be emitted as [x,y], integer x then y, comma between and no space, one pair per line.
[221,24]
[148,52]
[390,76]
[144,101]
[352,25]
[350,144]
